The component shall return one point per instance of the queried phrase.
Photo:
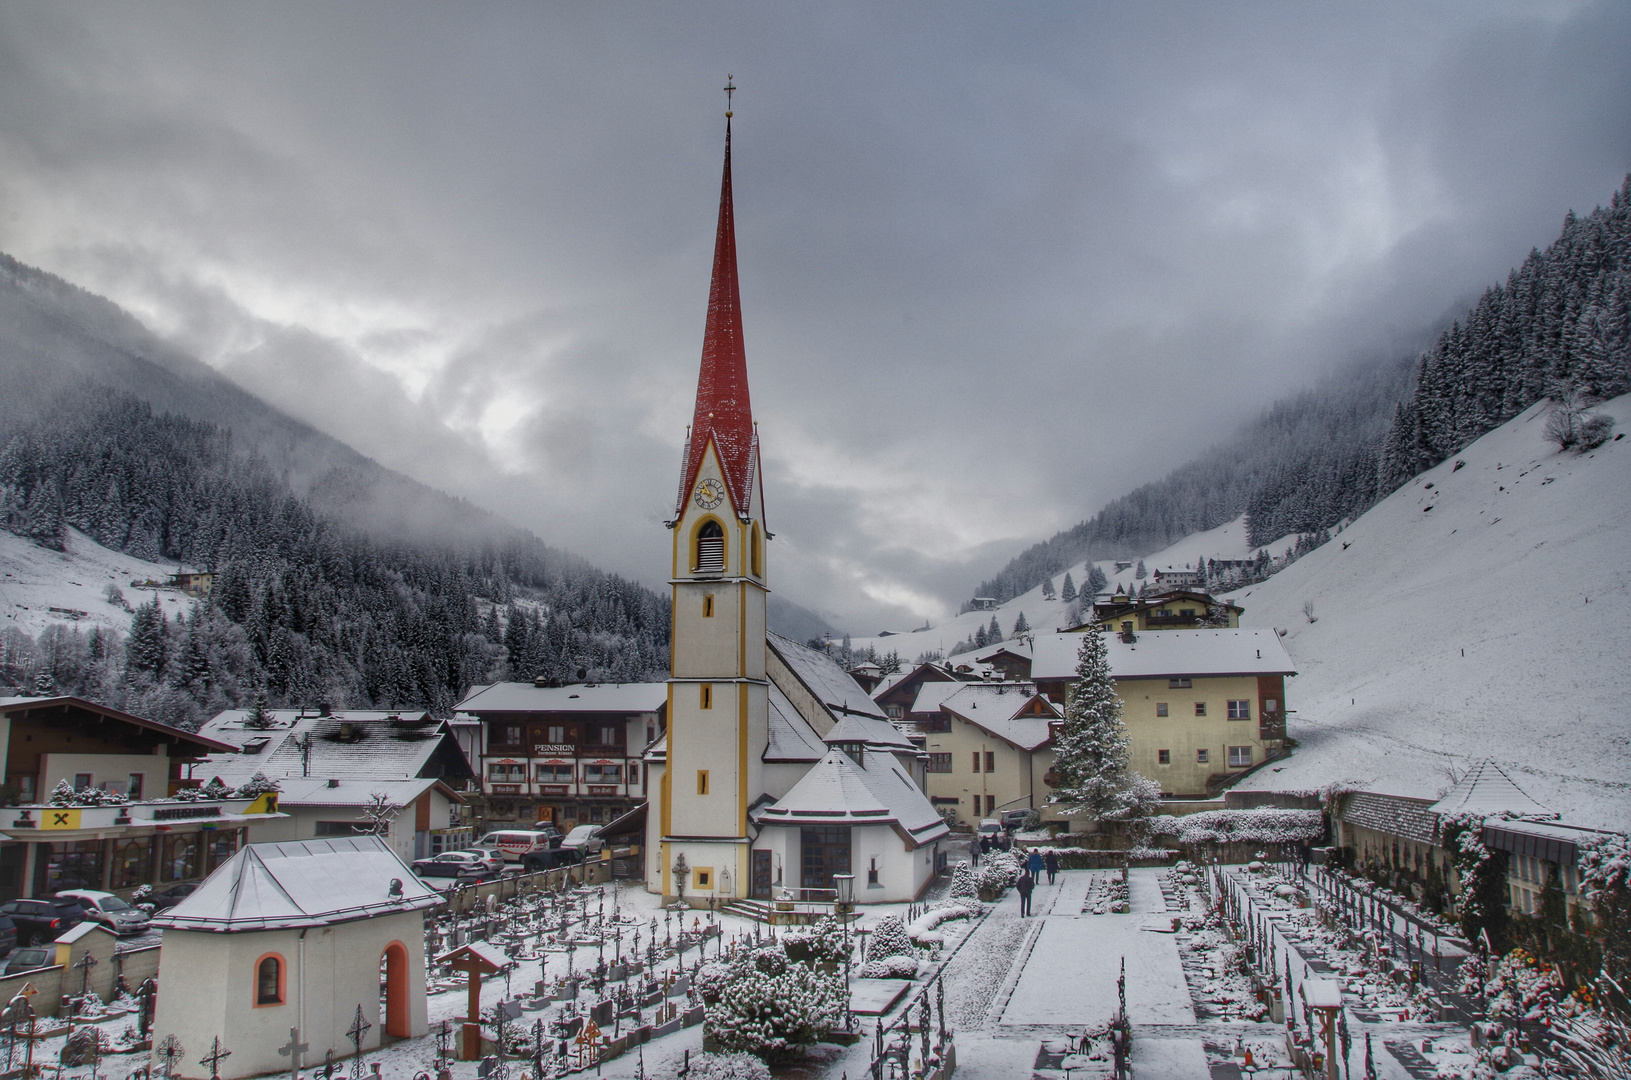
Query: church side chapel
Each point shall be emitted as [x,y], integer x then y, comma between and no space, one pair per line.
[777,771]
[283,947]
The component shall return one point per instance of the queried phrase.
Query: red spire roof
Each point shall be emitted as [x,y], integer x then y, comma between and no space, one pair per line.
[723,414]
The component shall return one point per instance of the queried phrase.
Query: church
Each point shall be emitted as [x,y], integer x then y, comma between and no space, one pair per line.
[777,771]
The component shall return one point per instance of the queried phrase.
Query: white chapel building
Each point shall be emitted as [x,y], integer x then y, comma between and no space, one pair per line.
[777,770]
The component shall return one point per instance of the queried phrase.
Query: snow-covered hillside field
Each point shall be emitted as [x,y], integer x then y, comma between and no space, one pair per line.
[1479,611]
[1227,541]
[36,580]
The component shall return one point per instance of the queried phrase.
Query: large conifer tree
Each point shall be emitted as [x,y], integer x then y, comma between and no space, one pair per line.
[1090,764]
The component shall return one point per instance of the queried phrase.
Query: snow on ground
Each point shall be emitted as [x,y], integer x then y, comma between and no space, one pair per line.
[1227,541]
[1479,611]
[35,580]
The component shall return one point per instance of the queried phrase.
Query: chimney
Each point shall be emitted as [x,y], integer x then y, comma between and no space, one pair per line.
[325,708]
[333,783]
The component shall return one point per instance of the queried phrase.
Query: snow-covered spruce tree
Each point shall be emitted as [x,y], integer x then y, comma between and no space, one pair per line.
[993,633]
[1090,764]
[1068,592]
[259,717]
[889,939]
[1140,572]
[1047,589]
[962,883]
[1021,626]
[1096,581]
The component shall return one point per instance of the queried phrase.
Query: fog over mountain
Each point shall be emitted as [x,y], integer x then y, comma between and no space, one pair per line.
[999,266]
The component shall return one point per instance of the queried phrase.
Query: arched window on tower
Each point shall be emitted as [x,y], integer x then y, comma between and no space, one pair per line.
[757,552]
[710,548]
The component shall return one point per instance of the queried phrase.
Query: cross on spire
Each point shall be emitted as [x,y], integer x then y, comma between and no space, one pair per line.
[730,88]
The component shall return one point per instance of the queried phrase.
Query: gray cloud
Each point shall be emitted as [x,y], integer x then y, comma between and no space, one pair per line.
[980,246]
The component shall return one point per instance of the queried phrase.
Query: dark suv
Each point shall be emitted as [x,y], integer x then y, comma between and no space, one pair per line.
[43,919]
[8,935]
[534,861]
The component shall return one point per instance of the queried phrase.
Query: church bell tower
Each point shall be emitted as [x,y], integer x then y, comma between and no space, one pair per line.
[718,695]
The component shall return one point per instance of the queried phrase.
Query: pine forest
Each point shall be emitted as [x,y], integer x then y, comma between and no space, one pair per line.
[302,608]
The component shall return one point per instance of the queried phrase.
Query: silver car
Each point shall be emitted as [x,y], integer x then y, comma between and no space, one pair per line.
[109,910]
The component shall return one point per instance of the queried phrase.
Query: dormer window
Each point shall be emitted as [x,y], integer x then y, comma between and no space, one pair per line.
[255,746]
[710,548]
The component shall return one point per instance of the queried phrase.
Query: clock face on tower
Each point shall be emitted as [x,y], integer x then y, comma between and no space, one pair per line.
[710,493]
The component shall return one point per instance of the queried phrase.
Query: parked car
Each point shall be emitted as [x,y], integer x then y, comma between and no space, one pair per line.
[439,873]
[990,827]
[43,918]
[8,935]
[583,838]
[109,910]
[550,860]
[474,865]
[548,829]
[172,896]
[1014,820]
[35,956]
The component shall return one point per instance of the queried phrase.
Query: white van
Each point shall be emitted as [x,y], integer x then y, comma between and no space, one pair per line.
[511,844]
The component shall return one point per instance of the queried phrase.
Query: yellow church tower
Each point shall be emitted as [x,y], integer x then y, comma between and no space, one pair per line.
[718,695]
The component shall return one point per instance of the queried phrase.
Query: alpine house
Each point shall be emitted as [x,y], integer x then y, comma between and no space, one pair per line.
[777,771]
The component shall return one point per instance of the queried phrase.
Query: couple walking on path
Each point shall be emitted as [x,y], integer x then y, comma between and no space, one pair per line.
[1027,882]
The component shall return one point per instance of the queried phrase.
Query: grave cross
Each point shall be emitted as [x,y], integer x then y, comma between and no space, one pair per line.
[214,1057]
[356,1032]
[84,965]
[292,1050]
[170,1049]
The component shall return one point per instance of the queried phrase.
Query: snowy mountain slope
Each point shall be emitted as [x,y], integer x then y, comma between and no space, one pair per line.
[34,580]
[1227,541]
[1480,611]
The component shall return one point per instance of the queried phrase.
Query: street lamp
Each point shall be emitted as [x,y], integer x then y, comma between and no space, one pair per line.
[844,884]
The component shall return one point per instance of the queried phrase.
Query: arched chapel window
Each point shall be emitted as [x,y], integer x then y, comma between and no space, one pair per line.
[269,981]
[710,548]
[758,553]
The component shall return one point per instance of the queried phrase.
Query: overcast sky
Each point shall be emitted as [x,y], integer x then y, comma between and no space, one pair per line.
[1000,263]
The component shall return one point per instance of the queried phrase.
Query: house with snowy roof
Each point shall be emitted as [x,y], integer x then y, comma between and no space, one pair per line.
[568,755]
[329,767]
[990,750]
[295,938]
[1202,707]
[778,772]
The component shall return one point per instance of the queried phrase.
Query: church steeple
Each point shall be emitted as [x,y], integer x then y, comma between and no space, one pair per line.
[724,415]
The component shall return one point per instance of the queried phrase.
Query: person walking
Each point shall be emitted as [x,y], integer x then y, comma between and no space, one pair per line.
[1052,863]
[1033,864]
[974,850]
[1024,886]
[985,842]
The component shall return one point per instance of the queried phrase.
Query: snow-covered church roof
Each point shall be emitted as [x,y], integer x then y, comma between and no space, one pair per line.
[834,687]
[791,736]
[1487,790]
[299,884]
[837,791]
[880,734]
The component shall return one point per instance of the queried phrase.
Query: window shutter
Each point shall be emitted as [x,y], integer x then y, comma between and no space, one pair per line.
[710,554]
